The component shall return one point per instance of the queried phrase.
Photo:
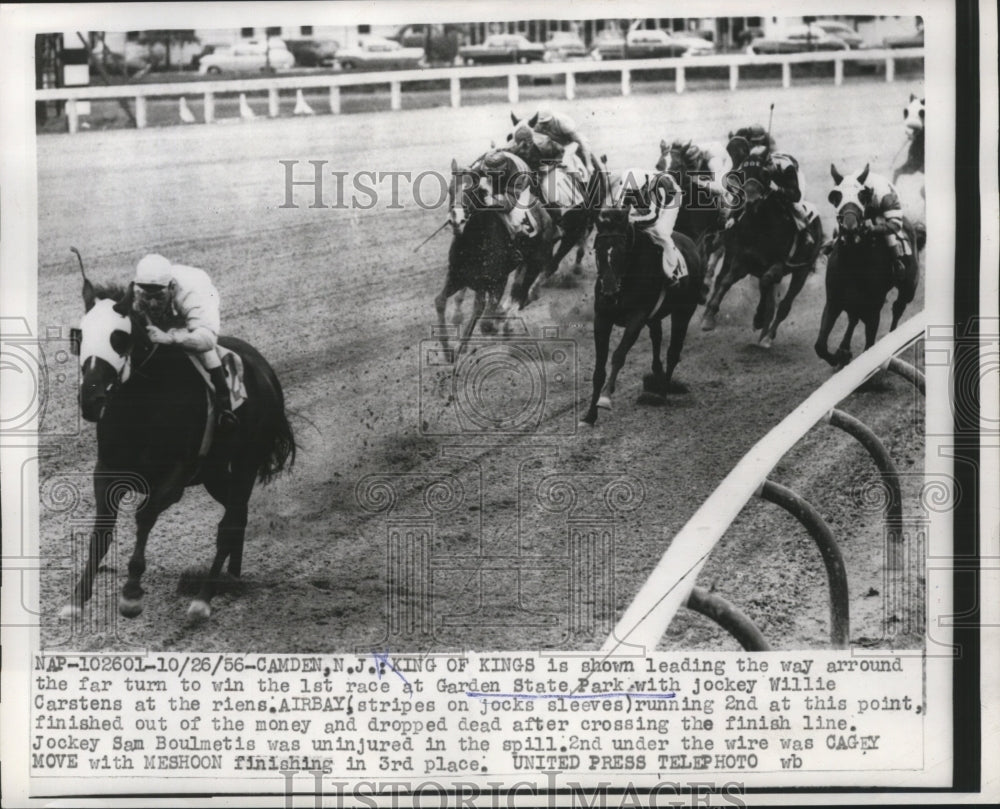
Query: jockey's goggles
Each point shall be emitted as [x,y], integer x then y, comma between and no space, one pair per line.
[152,289]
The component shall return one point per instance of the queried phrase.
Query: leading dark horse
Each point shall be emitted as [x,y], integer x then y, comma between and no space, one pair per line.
[761,243]
[632,292]
[859,273]
[483,252]
[151,409]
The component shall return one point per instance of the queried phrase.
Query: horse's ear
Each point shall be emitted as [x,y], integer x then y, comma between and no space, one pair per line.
[533,120]
[513,118]
[124,306]
[663,147]
[838,178]
[493,144]
[604,159]
[912,97]
[88,295]
[864,175]
[454,165]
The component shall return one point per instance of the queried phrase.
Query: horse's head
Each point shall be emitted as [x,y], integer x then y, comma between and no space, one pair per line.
[464,195]
[610,249]
[913,116]
[679,158]
[850,197]
[105,339]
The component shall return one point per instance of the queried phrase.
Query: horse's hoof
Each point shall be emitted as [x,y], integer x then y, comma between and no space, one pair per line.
[585,423]
[766,341]
[578,269]
[707,323]
[198,611]
[70,612]
[130,608]
[604,403]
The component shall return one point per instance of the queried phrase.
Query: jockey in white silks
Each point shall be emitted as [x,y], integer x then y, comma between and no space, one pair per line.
[654,201]
[162,291]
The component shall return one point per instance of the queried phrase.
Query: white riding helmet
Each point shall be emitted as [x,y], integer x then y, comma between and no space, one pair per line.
[153,269]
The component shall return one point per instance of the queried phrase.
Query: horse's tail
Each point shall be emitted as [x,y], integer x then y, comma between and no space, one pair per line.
[280,455]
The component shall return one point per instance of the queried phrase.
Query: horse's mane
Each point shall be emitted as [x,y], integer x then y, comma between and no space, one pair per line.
[115,292]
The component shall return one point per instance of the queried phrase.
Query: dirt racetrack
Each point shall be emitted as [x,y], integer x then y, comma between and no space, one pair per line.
[339,303]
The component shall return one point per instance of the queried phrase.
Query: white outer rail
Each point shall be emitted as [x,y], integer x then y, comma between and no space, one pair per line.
[334,81]
[646,620]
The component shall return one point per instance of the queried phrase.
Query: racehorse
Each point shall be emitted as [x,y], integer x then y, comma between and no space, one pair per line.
[573,206]
[152,410]
[631,291]
[913,118]
[761,243]
[483,252]
[700,216]
[859,272]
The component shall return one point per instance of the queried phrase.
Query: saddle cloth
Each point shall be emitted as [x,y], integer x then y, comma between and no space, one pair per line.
[799,252]
[232,364]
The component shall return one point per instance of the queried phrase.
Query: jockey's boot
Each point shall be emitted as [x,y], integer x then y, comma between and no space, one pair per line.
[899,268]
[225,417]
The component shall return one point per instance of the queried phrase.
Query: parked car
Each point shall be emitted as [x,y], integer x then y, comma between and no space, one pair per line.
[248,55]
[652,44]
[313,52]
[797,39]
[499,48]
[914,40]
[696,45]
[205,51]
[563,46]
[380,53]
[842,31]
[440,43]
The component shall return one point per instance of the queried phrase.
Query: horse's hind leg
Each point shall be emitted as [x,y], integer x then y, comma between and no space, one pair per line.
[441,305]
[108,492]
[904,294]
[654,382]
[679,321]
[233,492]
[723,283]
[477,312]
[829,318]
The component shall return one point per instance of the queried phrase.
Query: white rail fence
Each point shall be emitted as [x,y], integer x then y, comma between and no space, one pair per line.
[333,83]
[670,583]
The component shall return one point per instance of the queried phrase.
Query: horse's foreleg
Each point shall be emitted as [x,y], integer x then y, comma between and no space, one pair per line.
[229,538]
[108,492]
[581,250]
[830,315]
[904,294]
[656,338]
[632,331]
[161,497]
[795,285]
[871,328]
[602,341]
[768,286]
[844,355]
[477,312]
[441,305]
[727,277]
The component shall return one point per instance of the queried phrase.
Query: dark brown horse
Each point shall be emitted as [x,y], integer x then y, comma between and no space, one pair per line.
[151,409]
[632,292]
[760,243]
[859,273]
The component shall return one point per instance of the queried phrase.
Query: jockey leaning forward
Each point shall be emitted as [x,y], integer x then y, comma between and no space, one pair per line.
[883,215]
[164,292]
[654,201]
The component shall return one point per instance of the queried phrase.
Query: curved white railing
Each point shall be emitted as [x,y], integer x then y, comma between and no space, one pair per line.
[396,78]
[671,581]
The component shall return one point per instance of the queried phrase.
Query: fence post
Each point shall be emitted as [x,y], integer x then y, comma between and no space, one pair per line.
[838,72]
[72,117]
[395,95]
[140,112]
[680,79]
[456,92]
[786,74]
[513,91]
[334,99]
[890,68]
[272,102]
[209,106]
[734,76]
[626,82]
[570,86]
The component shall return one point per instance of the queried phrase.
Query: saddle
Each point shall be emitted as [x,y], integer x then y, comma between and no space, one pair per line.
[232,364]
